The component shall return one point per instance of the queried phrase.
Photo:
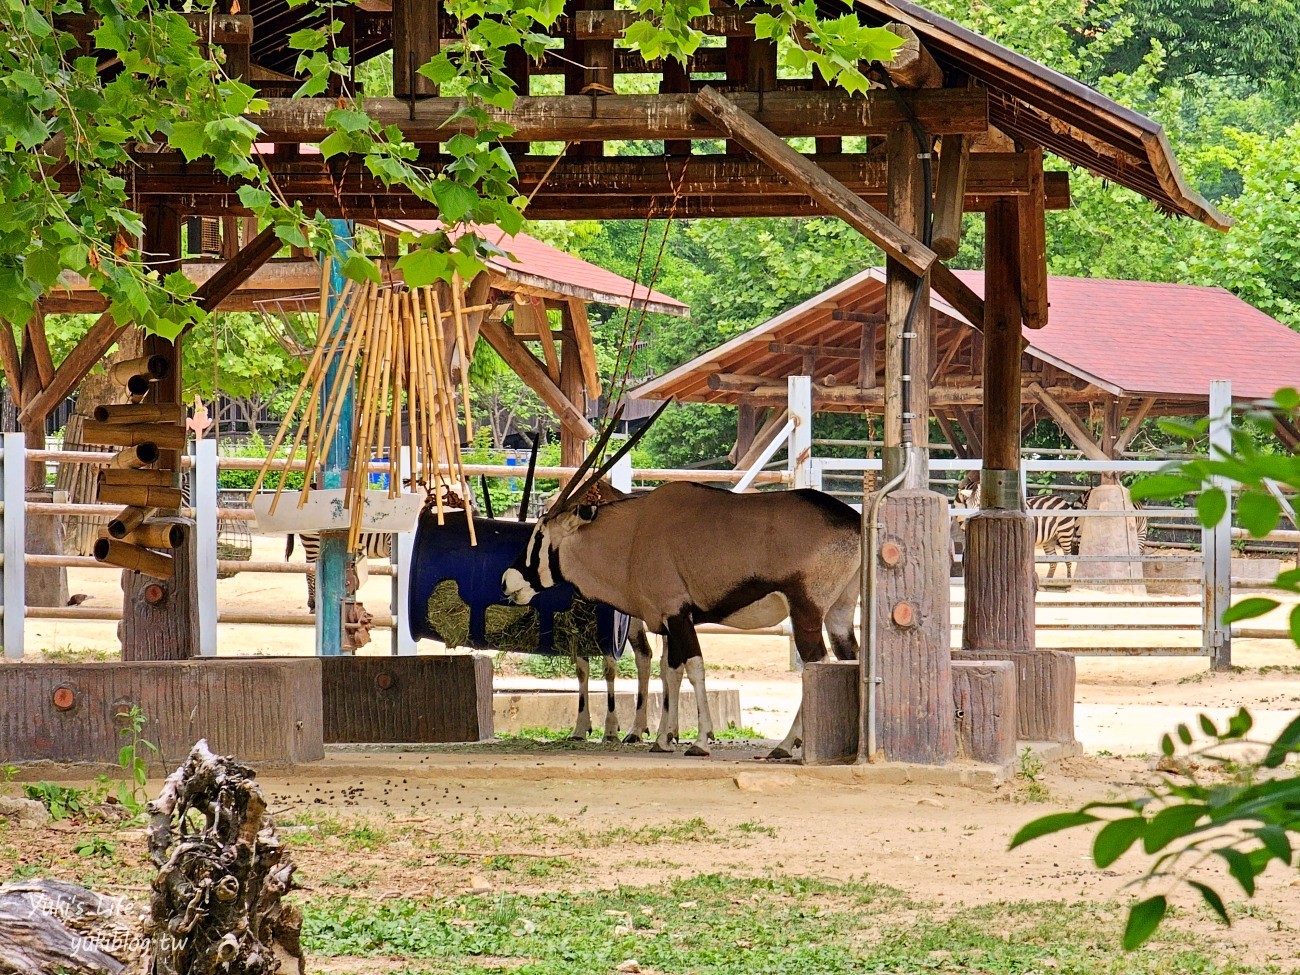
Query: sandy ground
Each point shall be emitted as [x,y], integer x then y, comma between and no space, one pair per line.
[946,845]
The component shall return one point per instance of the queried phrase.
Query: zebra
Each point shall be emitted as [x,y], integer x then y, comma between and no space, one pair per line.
[370,545]
[1056,534]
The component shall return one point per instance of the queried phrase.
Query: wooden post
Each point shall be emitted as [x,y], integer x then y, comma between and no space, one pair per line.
[415,40]
[160,618]
[916,716]
[746,428]
[573,447]
[903,289]
[998,564]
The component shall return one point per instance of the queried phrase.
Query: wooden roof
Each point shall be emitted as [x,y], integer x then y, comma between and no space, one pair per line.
[1127,339]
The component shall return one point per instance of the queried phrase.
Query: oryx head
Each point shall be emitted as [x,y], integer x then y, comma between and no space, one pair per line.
[538,566]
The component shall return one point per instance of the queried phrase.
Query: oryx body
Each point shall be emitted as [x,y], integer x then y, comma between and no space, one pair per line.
[686,554]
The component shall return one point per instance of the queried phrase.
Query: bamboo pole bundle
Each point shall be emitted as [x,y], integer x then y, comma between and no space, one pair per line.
[128,556]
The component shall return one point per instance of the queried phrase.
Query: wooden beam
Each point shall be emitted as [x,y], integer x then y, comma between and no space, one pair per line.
[1067,422]
[746,428]
[610,25]
[100,337]
[550,354]
[533,373]
[961,449]
[577,118]
[957,293]
[573,446]
[897,244]
[575,317]
[845,394]
[865,318]
[913,65]
[1126,436]
[416,39]
[828,351]
[12,363]
[950,195]
[867,357]
[971,430]
[1033,244]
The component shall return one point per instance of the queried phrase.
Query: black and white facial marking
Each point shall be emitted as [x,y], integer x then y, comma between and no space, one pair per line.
[538,565]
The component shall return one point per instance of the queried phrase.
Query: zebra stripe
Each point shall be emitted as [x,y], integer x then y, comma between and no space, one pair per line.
[370,545]
[1055,534]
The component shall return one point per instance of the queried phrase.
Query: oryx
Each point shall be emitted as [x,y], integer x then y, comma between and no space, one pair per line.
[685,554]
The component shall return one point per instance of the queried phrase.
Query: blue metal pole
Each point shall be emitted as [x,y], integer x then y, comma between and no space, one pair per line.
[331,568]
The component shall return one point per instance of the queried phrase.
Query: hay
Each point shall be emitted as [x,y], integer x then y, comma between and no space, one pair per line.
[448,614]
[512,628]
[577,631]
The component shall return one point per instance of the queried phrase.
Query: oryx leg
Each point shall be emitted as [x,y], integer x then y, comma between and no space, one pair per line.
[611,716]
[583,728]
[695,671]
[807,623]
[677,648]
[641,647]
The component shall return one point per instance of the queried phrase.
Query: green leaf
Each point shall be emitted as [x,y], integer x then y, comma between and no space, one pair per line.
[190,138]
[1294,625]
[1242,870]
[1046,825]
[358,267]
[1248,609]
[1287,398]
[439,69]
[1211,506]
[1170,824]
[1258,512]
[1166,746]
[348,119]
[1115,838]
[455,200]
[1286,742]
[1276,842]
[1143,919]
[1164,486]
[1212,898]
[1184,734]
[421,267]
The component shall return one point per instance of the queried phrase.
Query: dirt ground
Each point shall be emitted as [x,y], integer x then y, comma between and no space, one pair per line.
[531,818]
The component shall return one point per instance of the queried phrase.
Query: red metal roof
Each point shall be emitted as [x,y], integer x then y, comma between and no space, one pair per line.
[1130,338]
[1144,337]
[537,264]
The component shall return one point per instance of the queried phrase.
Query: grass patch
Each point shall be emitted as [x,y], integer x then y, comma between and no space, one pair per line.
[727,925]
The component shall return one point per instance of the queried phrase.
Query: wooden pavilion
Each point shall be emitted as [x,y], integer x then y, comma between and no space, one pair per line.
[1117,350]
[996,114]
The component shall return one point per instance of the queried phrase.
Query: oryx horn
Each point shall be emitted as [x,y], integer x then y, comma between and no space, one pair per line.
[580,473]
[528,480]
[623,450]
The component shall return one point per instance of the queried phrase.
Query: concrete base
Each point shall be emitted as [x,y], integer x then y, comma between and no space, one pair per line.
[1111,536]
[261,711]
[515,710]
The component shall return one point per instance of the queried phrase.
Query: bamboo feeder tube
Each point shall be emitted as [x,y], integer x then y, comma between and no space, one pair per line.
[464,352]
[128,521]
[137,478]
[306,382]
[141,455]
[140,496]
[151,367]
[152,534]
[316,370]
[140,413]
[133,557]
[138,386]
[165,436]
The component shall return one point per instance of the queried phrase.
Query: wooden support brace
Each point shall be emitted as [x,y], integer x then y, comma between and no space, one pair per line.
[774,424]
[1126,436]
[843,202]
[950,195]
[12,363]
[581,326]
[1067,422]
[40,347]
[533,373]
[1033,244]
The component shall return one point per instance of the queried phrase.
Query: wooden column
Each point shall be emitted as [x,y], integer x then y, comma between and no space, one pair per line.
[906,190]
[998,564]
[415,41]
[160,618]
[573,447]
[916,720]
[746,428]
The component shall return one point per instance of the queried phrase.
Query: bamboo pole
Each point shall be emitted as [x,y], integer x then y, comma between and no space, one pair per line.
[140,496]
[447,402]
[423,375]
[127,521]
[433,412]
[462,343]
[134,476]
[128,556]
[140,413]
[153,534]
[141,455]
[316,355]
[132,434]
[151,367]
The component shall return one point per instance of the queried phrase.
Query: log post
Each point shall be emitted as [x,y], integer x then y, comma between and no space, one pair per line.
[416,38]
[573,448]
[916,715]
[160,618]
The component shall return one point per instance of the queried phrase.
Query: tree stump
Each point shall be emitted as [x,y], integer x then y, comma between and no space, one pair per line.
[216,904]
[831,691]
[1044,691]
[998,565]
[984,696]
[915,642]
[160,617]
